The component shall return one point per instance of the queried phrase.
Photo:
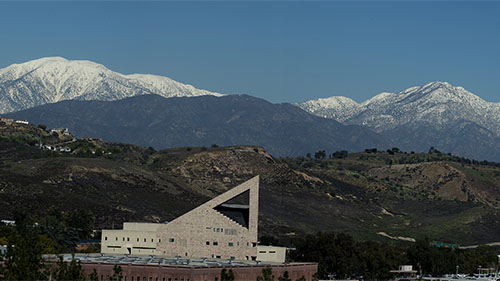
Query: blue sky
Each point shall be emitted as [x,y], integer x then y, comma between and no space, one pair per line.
[280,51]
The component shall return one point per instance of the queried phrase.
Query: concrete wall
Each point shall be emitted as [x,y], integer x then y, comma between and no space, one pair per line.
[129,242]
[271,254]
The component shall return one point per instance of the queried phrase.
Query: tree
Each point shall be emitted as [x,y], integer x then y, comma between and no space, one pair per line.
[267,275]
[93,276]
[284,277]
[117,273]
[69,273]
[24,261]
[226,275]
[320,154]
[42,126]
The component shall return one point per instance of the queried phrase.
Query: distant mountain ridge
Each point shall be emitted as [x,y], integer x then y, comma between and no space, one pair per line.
[151,120]
[436,114]
[53,79]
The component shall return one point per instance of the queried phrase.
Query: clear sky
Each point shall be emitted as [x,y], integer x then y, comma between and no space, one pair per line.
[280,51]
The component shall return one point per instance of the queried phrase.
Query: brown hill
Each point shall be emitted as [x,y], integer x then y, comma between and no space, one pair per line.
[364,194]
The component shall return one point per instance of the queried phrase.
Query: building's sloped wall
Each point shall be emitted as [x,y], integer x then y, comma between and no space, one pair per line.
[204,232]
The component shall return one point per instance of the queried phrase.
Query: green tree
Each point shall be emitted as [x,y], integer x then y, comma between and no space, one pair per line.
[65,272]
[93,276]
[117,273]
[24,261]
[226,275]
[320,154]
[267,275]
[284,277]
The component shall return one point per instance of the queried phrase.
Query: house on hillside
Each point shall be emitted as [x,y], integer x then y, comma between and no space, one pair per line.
[23,122]
[60,131]
[6,120]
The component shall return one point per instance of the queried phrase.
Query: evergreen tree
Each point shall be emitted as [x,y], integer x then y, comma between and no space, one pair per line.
[24,260]
[267,275]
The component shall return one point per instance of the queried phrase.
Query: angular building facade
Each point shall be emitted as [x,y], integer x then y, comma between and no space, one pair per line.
[216,229]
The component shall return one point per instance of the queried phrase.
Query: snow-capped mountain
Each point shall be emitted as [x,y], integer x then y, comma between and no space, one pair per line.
[436,104]
[338,108]
[437,114]
[52,79]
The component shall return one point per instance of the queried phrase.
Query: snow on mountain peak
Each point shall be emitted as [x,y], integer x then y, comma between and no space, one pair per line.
[52,79]
[435,103]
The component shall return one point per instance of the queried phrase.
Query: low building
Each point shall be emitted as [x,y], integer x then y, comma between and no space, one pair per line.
[6,120]
[151,268]
[216,229]
[60,131]
[23,122]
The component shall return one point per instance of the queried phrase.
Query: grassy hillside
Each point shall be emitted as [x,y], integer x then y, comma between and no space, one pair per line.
[370,195]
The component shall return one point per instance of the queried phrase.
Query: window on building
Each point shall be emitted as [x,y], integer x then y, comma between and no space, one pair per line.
[170,239]
[123,238]
[248,244]
[215,243]
[152,240]
[272,252]
[144,239]
[159,240]
[218,257]
[137,239]
[262,252]
[106,238]
[237,243]
[186,254]
[218,229]
[116,238]
[128,238]
[208,242]
[230,244]
[254,244]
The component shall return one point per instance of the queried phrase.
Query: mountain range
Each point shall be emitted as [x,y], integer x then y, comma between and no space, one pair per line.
[438,114]
[152,120]
[53,79]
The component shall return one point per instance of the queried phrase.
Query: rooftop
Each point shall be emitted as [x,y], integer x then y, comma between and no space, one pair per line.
[165,261]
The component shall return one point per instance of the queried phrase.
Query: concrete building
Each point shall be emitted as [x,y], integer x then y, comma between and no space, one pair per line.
[215,229]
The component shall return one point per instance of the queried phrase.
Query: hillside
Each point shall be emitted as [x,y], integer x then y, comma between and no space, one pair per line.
[151,120]
[366,194]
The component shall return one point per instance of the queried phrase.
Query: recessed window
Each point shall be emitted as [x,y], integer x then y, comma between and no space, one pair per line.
[144,239]
[123,238]
[230,244]
[106,238]
[170,239]
[152,240]
[215,243]
[116,238]
[159,240]
[262,252]
[217,257]
[237,243]
[272,252]
[128,238]
[208,242]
